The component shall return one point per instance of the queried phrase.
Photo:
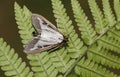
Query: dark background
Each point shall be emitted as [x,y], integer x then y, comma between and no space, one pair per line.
[8,26]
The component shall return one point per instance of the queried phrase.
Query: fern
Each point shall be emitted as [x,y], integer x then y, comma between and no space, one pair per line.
[88,33]
[60,61]
[106,41]
[41,60]
[56,61]
[114,33]
[100,24]
[11,64]
[73,74]
[65,25]
[110,43]
[42,65]
[117,10]
[101,55]
[87,68]
[109,17]
[97,44]
[23,19]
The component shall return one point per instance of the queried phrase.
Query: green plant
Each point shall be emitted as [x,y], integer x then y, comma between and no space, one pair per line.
[92,55]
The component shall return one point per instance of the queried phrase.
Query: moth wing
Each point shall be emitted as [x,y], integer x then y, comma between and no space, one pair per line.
[36,24]
[43,41]
[39,22]
[33,47]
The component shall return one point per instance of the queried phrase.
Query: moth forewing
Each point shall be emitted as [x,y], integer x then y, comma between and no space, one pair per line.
[28,51]
[34,18]
[48,36]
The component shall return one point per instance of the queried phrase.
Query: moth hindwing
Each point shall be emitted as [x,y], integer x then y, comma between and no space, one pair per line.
[48,36]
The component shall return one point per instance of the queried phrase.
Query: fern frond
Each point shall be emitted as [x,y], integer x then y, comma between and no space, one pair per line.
[88,33]
[117,11]
[61,60]
[57,61]
[55,64]
[87,68]
[48,65]
[23,20]
[103,56]
[109,16]
[11,63]
[42,65]
[116,8]
[114,33]
[75,46]
[100,24]
[41,62]
[109,43]
[73,74]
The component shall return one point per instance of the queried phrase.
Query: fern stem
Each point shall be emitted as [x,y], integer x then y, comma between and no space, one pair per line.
[72,67]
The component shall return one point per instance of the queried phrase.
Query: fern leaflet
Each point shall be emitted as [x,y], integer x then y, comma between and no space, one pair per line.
[109,16]
[23,19]
[75,46]
[11,63]
[87,68]
[88,33]
[100,24]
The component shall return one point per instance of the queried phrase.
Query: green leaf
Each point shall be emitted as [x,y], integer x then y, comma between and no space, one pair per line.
[75,45]
[43,64]
[98,16]
[117,11]
[109,16]
[96,44]
[87,32]
[23,20]
[101,55]
[109,43]
[11,64]
[87,68]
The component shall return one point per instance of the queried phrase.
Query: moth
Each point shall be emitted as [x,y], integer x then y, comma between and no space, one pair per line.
[47,36]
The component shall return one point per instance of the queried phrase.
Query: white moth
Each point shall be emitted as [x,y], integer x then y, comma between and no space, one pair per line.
[48,36]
